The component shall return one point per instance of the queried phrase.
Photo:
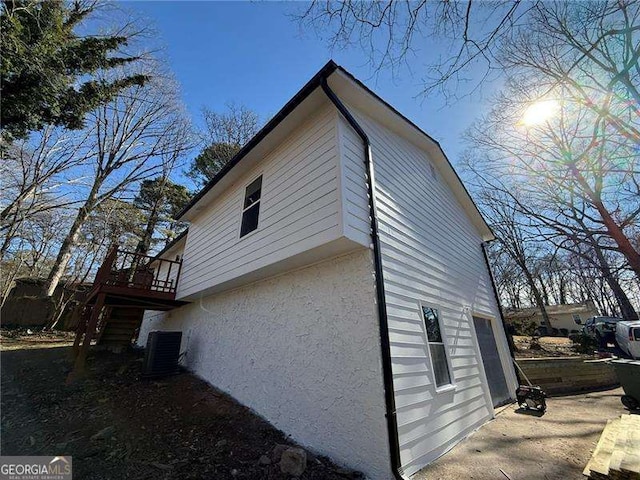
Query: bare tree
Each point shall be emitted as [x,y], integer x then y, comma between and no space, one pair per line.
[578,178]
[234,126]
[564,128]
[131,135]
[401,33]
[31,250]
[33,172]
[588,48]
[508,277]
[516,241]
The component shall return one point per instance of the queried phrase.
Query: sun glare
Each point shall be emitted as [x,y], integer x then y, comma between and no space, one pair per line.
[539,112]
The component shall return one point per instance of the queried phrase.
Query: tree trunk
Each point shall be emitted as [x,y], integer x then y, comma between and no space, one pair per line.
[624,245]
[64,254]
[543,290]
[562,290]
[626,309]
[9,233]
[145,242]
[538,298]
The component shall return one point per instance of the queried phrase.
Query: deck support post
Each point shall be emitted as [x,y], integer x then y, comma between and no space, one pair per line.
[90,329]
[80,329]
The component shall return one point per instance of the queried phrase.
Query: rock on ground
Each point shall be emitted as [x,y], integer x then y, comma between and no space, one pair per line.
[293,461]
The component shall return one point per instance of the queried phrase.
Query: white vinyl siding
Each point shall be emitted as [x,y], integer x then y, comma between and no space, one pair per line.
[431,255]
[299,210]
[357,222]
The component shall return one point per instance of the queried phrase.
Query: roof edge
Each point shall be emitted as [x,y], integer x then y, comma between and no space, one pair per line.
[303,93]
[171,244]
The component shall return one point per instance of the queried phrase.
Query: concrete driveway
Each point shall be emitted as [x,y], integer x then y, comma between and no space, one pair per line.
[519,446]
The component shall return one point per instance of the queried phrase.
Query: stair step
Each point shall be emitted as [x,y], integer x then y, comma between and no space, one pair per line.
[116,330]
[124,320]
[106,338]
[117,322]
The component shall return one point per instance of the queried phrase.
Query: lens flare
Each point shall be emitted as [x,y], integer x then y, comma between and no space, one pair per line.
[539,112]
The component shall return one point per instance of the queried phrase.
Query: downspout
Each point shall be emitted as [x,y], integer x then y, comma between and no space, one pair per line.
[512,348]
[392,423]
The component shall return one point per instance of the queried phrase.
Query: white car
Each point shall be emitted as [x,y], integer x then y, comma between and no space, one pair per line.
[628,337]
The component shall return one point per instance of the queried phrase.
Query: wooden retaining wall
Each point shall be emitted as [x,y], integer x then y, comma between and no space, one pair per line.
[568,374]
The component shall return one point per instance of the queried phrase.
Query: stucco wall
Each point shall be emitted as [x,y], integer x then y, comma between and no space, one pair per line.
[301,349]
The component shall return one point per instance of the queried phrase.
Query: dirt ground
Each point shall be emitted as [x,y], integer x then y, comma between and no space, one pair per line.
[19,339]
[550,347]
[522,446]
[178,427]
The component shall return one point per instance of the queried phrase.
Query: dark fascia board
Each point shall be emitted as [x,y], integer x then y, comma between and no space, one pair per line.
[431,139]
[173,243]
[304,92]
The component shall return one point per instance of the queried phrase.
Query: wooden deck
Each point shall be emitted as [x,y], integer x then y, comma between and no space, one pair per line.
[126,281]
[140,279]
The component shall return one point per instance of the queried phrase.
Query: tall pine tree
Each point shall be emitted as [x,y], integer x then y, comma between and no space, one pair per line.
[47,66]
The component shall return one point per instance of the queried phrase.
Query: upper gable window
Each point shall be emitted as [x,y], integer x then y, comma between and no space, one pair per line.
[251,207]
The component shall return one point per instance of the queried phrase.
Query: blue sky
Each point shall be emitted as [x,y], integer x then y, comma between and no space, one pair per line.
[254,54]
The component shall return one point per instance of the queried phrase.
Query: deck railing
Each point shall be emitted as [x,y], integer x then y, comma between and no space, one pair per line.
[133,270]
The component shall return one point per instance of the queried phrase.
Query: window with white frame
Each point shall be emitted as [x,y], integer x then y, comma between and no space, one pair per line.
[251,207]
[437,347]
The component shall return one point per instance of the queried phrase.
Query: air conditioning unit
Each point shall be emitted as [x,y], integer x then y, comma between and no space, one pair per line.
[162,354]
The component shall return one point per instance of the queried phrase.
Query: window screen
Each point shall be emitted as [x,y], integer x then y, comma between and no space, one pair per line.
[251,207]
[437,348]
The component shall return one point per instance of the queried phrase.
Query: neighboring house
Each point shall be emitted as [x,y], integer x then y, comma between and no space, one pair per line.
[353,311]
[570,317]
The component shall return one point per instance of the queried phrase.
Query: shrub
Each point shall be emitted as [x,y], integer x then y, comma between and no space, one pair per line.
[525,328]
[583,343]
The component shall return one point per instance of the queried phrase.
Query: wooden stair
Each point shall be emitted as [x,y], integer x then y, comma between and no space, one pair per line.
[126,284]
[617,455]
[120,327]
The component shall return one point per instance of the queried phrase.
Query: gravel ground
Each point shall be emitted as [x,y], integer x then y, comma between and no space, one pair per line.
[118,426]
[521,446]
